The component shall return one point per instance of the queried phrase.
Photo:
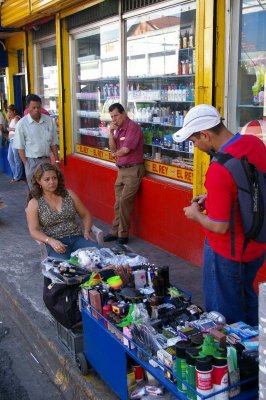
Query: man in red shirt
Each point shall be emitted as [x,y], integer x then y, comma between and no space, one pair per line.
[126,145]
[227,280]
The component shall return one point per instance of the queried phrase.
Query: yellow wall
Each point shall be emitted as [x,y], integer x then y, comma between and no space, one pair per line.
[204,80]
[13,44]
[65,120]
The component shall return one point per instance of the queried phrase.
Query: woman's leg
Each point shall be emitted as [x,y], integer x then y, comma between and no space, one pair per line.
[10,158]
[18,170]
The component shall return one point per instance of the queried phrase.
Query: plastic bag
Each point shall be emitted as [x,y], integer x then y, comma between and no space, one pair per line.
[123,259]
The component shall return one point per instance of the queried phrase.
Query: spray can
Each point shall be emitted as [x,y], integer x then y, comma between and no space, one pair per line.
[191,354]
[220,377]
[204,376]
[181,365]
[106,310]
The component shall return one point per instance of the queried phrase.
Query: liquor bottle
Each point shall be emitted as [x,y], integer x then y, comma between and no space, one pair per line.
[179,68]
[180,41]
[191,40]
[185,40]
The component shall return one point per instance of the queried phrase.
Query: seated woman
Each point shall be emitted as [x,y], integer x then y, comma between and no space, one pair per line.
[52,212]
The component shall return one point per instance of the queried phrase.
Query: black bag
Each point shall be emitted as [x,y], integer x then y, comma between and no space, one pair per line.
[251,186]
[62,302]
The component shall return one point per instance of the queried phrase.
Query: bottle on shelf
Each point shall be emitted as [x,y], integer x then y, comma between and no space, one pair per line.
[185,40]
[180,41]
[186,67]
[191,40]
[193,61]
[179,68]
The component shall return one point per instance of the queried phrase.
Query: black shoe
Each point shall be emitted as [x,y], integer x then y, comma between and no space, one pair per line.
[122,240]
[110,238]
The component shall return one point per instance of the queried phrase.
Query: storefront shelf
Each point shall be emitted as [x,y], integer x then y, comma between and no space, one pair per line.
[249,106]
[161,77]
[166,148]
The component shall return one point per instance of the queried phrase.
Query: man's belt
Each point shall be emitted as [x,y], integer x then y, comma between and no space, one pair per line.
[128,165]
[40,158]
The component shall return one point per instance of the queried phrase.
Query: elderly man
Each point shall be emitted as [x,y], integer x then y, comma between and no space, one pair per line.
[35,137]
[126,145]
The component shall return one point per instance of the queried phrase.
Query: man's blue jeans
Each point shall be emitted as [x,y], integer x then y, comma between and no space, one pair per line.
[228,286]
[73,243]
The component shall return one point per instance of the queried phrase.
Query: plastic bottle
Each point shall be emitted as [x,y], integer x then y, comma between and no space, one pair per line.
[181,365]
[177,119]
[181,119]
[220,377]
[191,354]
[204,371]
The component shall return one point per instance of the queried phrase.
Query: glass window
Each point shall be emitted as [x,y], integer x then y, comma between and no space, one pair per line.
[247,98]
[47,79]
[161,84]
[96,84]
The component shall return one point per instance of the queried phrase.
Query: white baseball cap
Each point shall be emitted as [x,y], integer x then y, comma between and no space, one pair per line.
[199,118]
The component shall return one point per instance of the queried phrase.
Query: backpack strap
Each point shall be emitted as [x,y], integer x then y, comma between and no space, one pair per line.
[232,229]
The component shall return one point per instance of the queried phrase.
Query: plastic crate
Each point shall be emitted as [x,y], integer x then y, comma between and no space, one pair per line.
[71,340]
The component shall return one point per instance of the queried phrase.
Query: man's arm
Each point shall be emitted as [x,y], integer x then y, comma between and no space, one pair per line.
[112,145]
[54,149]
[194,213]
[22,155]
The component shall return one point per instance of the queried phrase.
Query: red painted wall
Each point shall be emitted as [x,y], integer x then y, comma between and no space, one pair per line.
[158,215]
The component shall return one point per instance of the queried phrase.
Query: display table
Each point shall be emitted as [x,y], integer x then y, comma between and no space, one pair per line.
[108,356]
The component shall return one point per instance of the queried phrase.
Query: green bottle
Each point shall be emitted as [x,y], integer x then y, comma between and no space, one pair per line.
[191,356]
[181,365]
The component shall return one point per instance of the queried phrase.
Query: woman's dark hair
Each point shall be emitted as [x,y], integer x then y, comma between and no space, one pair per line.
[117,106]
[12,107]
[36,191]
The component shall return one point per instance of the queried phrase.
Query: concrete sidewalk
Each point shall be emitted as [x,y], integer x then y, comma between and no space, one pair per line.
[21,292]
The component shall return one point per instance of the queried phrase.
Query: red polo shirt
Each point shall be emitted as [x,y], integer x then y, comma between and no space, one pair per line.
[222,191]
[130,135]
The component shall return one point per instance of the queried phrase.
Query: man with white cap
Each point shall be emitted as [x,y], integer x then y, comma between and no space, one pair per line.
[227,279]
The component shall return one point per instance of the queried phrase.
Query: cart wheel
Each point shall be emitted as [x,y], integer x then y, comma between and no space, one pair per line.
[82,364]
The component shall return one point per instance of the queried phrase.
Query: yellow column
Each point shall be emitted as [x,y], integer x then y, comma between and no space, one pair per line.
[13,44]
[64,90]
[204,79]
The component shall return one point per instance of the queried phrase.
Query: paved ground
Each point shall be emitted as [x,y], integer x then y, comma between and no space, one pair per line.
[21,289]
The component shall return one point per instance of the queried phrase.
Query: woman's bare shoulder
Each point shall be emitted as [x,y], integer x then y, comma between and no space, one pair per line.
[32,204]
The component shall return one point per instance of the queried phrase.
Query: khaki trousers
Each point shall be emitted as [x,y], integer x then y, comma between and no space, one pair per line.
[126,187]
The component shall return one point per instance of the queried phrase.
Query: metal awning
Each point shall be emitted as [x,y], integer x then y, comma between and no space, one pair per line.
[7,32]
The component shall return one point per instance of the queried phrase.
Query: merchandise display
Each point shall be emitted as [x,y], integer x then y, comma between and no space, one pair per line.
[182,349]
[163,343]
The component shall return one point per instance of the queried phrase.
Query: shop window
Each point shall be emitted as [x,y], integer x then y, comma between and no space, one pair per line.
[157,90]
[47,78]
[21,64]
[97,83]
[161,85]
[247,98]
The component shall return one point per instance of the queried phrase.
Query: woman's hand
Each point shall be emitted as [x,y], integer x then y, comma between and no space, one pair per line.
[58,246]
[88,235]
